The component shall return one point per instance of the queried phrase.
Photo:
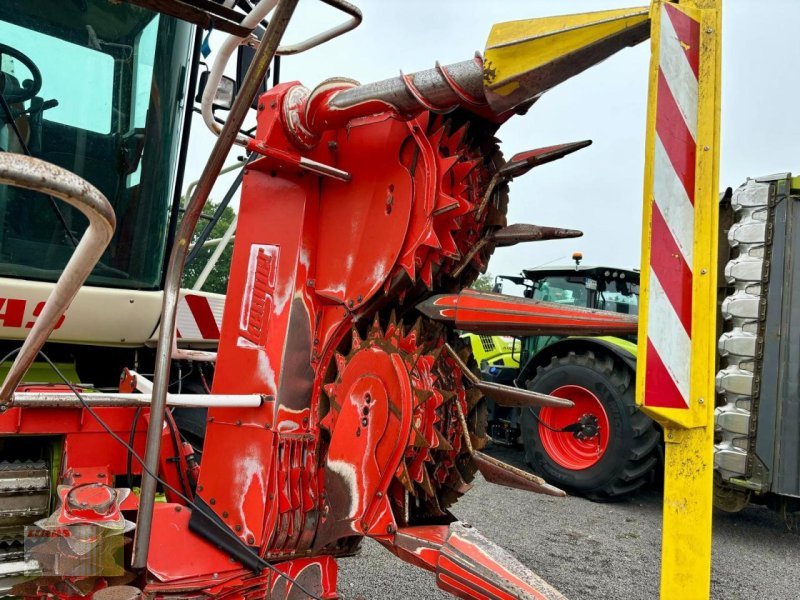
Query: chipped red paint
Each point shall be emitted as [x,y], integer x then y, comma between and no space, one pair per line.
[371,421]
[467,564]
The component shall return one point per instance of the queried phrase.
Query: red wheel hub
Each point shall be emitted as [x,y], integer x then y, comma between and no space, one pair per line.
[568,449]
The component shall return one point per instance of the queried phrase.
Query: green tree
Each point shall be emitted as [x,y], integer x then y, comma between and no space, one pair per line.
[218,278]
[484,283]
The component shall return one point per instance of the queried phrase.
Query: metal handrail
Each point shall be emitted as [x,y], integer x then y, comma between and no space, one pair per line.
[34,174]
[354,21]
[251,20]
[190,188]
[241,105]
[103,400]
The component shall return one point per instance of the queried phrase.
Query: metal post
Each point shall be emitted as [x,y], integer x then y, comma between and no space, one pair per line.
[222,243]
[677,336]
[255,74]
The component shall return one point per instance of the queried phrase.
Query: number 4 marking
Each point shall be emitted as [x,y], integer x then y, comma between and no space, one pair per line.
[12,313]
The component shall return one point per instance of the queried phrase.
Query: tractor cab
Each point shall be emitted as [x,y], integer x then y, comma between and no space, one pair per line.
[601,447]
[101,89]
[602,288]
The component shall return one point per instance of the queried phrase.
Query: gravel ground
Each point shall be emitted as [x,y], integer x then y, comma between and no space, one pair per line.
[589,550]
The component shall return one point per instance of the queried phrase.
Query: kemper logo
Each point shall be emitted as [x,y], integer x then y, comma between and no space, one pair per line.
[258,293]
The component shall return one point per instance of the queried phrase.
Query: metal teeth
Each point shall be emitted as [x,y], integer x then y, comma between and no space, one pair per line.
[23,477]
[505,395]
[520,233]
[12,564]
[743,310]
[24,498]
[13,465]
[523,162]
[11,548]
[499,473]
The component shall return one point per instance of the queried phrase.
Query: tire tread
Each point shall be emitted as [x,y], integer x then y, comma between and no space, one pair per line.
[643,453]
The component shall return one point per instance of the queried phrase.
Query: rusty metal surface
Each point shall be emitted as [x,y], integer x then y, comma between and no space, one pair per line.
[40,176]
[519,233]
[205,13]
[522,162]
[505,395]
[24,495]
[500,473]
[443,87]
[118,592]
[471,565]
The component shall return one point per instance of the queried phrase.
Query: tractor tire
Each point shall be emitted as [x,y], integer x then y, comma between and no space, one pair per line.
[615,459]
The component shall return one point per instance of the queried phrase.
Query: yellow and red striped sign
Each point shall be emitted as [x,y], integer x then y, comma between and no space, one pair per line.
[677,324]
[672,223]
[199,318]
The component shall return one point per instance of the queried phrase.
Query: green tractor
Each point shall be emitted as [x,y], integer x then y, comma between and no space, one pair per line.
[603,448]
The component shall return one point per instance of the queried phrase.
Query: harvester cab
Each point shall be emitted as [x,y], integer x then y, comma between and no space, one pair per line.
[102,90]
[97,88]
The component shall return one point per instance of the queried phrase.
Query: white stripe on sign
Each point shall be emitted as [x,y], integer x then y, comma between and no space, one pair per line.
[217,308]
[185,321]
[678,72]
[668,336]
[673,202]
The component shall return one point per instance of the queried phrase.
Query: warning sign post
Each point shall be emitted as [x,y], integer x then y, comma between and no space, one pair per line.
[677,331]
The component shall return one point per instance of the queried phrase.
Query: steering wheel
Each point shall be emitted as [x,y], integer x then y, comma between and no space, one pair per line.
[30,88]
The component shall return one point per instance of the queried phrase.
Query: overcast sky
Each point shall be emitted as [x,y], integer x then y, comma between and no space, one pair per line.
[599,189]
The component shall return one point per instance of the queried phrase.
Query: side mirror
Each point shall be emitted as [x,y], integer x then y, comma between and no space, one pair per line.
[528,293]
[226,92]
[245,56]
[497,288]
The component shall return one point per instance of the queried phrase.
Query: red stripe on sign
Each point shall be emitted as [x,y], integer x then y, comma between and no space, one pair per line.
[659,387]
[201,311]
[688,31]
[671,268]
[675,136]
